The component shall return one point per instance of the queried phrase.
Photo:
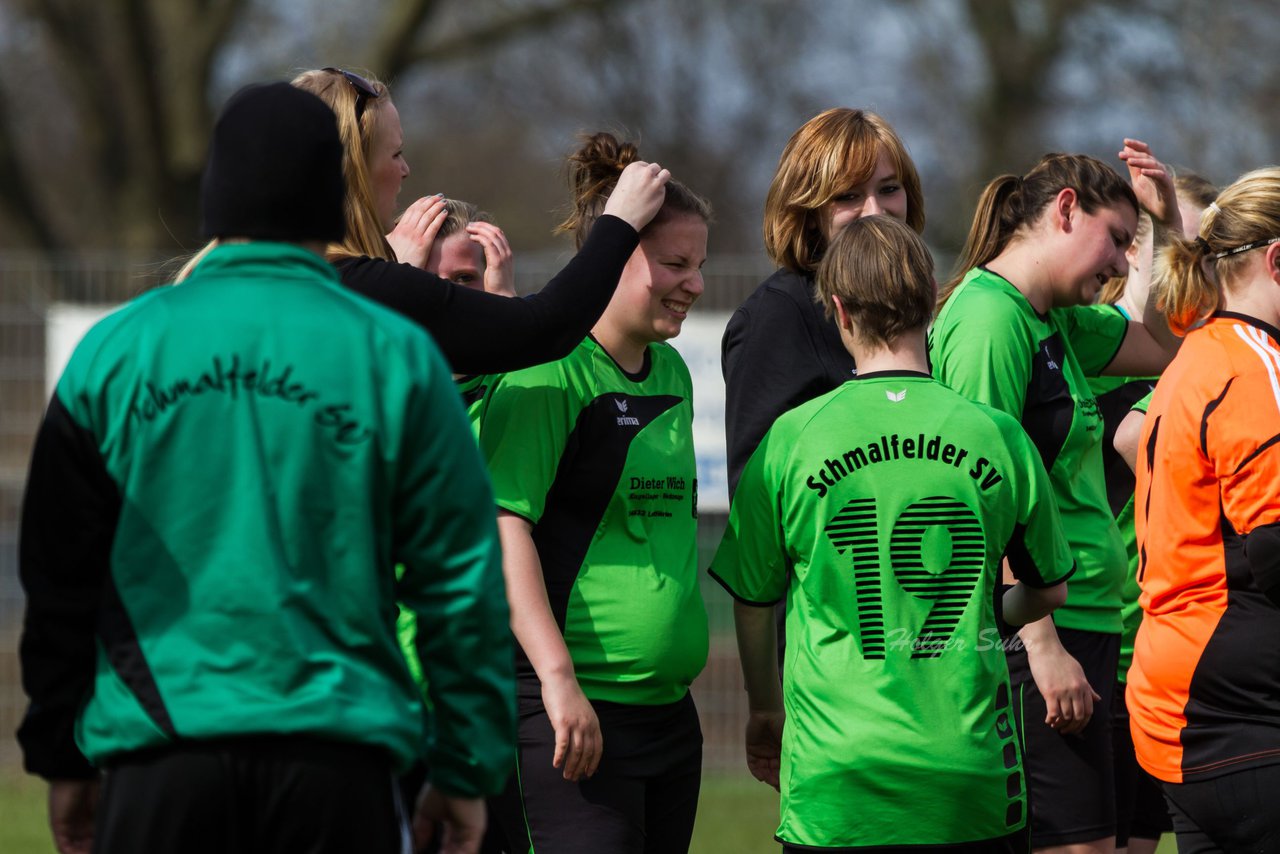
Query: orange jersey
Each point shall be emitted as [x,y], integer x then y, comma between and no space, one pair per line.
[1204,689]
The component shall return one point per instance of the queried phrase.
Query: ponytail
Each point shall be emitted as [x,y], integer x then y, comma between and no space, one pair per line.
[1184,290]
[1009,204]
[1192,277]
[994,222]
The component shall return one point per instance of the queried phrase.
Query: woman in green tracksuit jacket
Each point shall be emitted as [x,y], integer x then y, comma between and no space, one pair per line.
[225,479]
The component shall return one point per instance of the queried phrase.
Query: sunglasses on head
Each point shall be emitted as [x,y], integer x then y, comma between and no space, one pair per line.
[364,89]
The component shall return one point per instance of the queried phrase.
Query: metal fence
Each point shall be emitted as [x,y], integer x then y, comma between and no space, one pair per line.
[30,284]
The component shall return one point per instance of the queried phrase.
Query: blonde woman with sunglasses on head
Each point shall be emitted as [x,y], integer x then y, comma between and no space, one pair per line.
[383,258]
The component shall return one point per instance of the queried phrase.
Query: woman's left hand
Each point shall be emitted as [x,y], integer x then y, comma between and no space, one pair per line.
[1152,184]
[416,230]
[499,271]
[764,745]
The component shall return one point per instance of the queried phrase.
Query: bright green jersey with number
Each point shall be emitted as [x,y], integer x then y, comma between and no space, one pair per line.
[884,508]
[990,345]
[602,463]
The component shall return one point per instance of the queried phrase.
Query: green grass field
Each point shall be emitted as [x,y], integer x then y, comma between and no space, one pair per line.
[24,827]
[736,815]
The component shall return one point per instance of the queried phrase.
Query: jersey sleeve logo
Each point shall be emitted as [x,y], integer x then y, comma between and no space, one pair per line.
[1050,362]
[896,397]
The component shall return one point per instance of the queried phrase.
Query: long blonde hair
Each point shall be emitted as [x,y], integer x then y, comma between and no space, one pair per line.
[365,233]
[1191,275]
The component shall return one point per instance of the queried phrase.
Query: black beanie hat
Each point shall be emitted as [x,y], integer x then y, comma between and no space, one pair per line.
[275,168]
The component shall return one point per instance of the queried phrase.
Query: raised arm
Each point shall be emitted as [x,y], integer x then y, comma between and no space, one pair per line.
[482,333]
[1150,345]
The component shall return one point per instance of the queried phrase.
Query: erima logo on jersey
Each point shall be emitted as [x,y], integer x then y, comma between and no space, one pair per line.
[625,420]
[1053,366]
[896,397]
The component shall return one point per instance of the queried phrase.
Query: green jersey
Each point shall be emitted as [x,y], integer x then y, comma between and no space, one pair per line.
[601,462]
[883,509]
[990,345]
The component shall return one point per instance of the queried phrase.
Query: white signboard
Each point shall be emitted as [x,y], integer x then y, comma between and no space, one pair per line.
[66,325]
[699,344]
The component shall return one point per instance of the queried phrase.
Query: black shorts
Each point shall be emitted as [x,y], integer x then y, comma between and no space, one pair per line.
[1070,779]
[1141,812]
[1234,812]
[267,794]
[641,800]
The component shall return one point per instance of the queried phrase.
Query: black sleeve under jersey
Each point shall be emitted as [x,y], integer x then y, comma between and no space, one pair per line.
[69,517]
[482,333]
[770,363]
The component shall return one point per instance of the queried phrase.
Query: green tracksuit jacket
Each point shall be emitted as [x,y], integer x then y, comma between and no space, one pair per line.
[227,475]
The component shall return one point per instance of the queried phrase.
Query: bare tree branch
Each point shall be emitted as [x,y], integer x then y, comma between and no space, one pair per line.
[495,34]
[393,48]
[17,196]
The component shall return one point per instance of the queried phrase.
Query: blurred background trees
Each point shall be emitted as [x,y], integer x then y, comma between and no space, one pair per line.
[106,107]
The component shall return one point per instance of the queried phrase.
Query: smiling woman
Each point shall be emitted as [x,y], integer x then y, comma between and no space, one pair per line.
[592,463]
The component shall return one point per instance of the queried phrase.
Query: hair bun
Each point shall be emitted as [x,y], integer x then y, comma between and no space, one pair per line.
[593,172]
[606,152]
[594,168]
